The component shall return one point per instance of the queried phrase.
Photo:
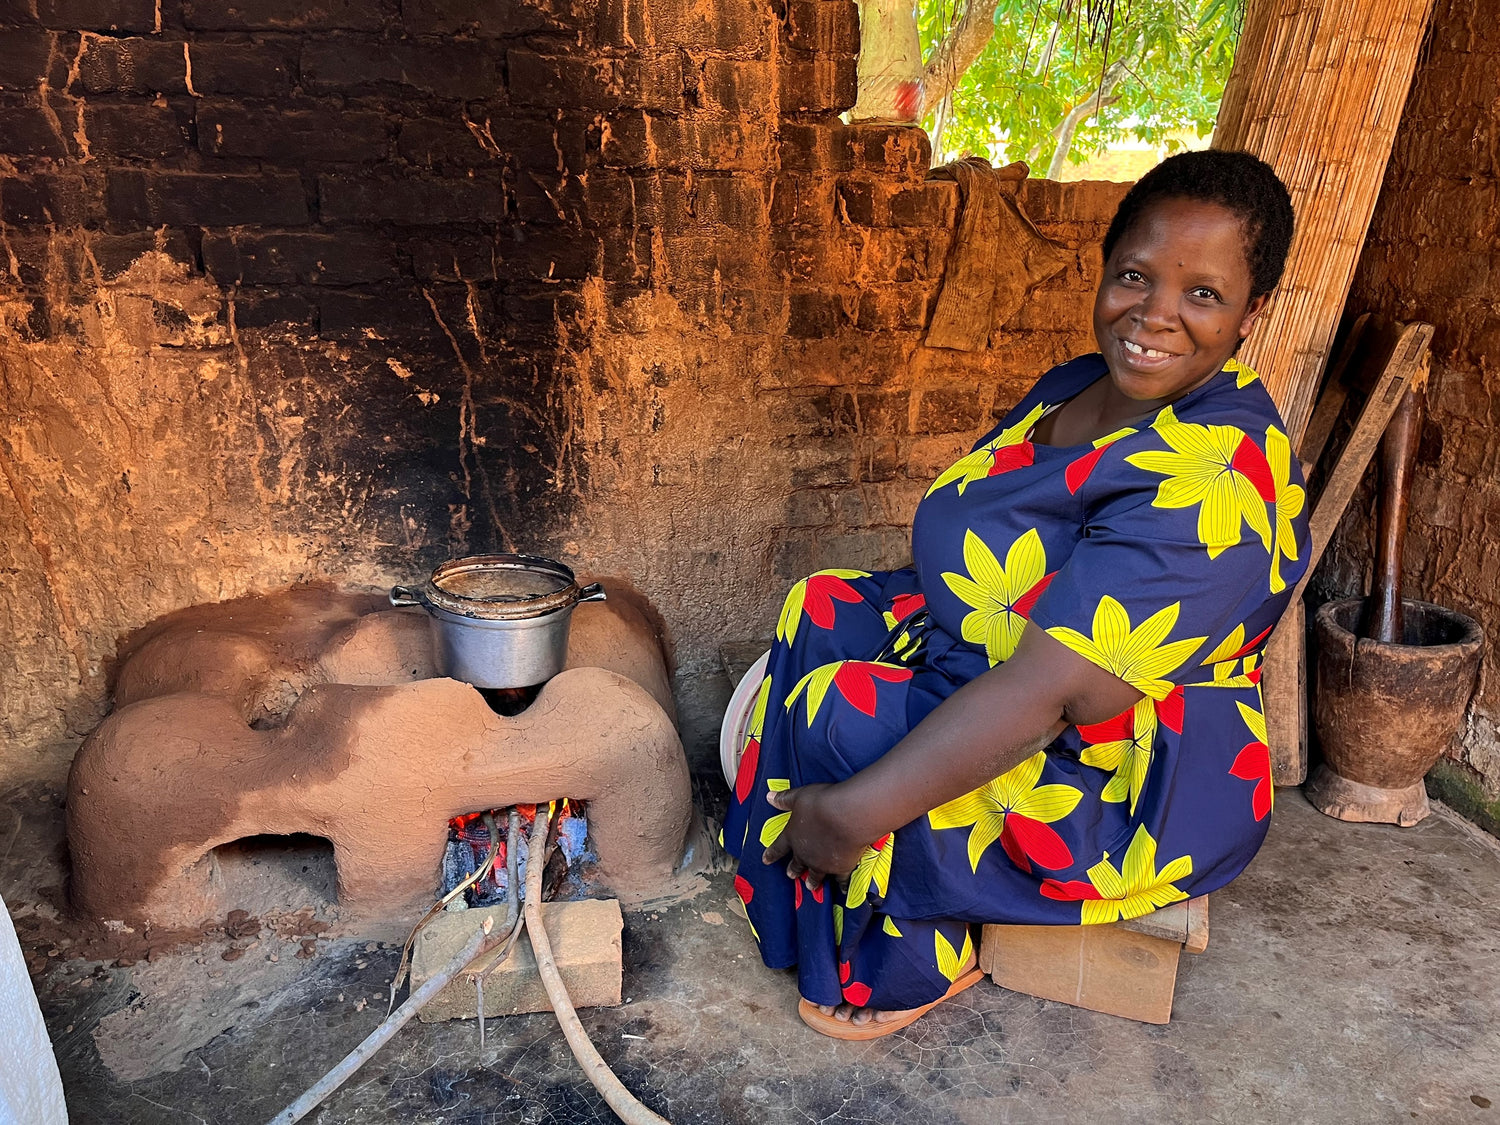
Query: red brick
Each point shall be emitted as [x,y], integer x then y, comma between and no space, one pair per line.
[410,200]
[113,254]
[824,85]
[860,202]
[454,255]
[814,314]
[637,140]
[456,69]
[198,199]
[399,311]
[933,204]
[738,87]
[142,131]
[299,258]
[802,199]
[892,308]
[814,147]
[727,25]
[288,15]
[901,152]
[96,15]
[292,136]
[28,55]
[63,199]
[947,411]
[546,199]
[148,66]
[570,82]
[256,307]
[430,141]
[477,18]
[610,198]
[34,128]
[827,26]
[629,257]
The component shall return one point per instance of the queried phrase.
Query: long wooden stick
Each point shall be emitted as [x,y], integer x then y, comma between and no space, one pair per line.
[595,1069]
[388,1027]
[1384,620]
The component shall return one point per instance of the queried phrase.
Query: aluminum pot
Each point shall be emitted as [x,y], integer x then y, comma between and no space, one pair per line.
[499,621]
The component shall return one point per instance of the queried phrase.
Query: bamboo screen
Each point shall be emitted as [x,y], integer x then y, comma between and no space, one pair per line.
[1317,91]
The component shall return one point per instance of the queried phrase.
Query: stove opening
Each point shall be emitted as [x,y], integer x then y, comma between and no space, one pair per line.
[265,874]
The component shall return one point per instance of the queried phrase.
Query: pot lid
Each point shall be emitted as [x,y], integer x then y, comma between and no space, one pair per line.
[502,587]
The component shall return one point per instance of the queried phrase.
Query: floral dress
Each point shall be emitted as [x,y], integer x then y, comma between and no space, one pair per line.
[1163,554]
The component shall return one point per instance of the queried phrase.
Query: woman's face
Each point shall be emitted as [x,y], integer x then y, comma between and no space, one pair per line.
[1175,299]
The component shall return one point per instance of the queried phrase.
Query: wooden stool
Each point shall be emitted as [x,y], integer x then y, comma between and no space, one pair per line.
[1123,969]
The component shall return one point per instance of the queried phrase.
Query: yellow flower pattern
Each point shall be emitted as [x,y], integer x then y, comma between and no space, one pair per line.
[1141,656]
[1001,597]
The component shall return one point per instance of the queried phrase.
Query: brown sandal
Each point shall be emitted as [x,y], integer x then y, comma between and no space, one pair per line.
[874,1029]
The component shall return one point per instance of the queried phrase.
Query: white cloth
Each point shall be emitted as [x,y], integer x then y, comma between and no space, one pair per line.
[30,1088]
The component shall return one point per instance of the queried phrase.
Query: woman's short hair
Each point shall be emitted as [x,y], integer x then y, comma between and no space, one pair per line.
[1243,183]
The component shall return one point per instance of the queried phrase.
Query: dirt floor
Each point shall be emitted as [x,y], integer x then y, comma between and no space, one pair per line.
[1353,974]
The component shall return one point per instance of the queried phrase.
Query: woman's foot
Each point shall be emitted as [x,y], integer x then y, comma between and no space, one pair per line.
[871,1023]
[848,1013]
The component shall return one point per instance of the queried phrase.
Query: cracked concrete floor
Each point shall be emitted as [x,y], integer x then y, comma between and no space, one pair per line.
[1353,974]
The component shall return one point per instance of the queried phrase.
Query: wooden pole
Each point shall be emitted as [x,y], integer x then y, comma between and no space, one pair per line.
[1383,617]
[1316,91]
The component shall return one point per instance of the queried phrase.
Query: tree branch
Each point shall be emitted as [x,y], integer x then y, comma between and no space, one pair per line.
[1081,113]
[958,50]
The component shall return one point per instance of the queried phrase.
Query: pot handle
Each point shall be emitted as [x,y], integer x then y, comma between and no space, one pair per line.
[593,592]
[404,596]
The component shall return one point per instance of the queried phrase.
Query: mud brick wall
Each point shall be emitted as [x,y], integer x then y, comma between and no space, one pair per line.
[1434,254]
[339,290]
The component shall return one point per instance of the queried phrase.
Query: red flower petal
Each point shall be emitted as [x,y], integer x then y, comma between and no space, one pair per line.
[1118,729]
[888,674]
[796,894]
[879,845]
[1039,841]
[1169,710]
[1012,846]
[856,685]
[1260,800]
[744,778]
[1078,472]
[818,599]
[1251,463]
[1253,675]
[743,888]
[904,605]
[844,972]
[1072,891]
[817,893]
[1253,762]
[857,994]
[1013,457]
[1028,600]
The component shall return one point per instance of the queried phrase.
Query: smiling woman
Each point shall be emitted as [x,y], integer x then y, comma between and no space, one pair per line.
[1070,669]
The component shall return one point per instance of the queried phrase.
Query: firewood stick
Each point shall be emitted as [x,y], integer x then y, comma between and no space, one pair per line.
[595,1069]
[388,1027]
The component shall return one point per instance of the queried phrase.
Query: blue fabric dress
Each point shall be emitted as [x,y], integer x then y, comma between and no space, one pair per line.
[1165,555]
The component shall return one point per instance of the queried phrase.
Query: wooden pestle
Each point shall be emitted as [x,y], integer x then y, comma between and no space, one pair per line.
[1382,618]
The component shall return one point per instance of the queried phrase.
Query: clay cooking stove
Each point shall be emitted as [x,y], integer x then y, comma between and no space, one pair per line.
[322,712]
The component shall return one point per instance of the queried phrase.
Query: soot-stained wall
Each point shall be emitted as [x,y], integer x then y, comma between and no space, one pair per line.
[337,290]
[1432,255]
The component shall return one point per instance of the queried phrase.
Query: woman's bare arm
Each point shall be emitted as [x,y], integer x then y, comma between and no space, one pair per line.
[985,728]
